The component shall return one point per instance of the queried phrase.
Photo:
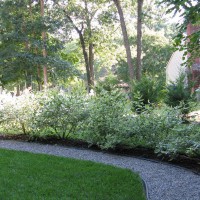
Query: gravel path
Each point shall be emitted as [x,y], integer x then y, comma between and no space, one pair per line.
[164,182]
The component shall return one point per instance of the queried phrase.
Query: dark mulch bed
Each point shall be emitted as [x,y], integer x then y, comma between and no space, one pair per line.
[140,152]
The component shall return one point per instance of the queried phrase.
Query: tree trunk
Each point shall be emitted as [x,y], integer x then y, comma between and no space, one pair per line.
[38,78]
[26,47]
[91,54]
[139,40]
[28,79]
[18,91]
[27,71]
[91,63]
[85,55]
[125,37]
[44,51]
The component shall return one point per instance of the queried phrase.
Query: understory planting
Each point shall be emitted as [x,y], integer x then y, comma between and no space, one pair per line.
[106,119]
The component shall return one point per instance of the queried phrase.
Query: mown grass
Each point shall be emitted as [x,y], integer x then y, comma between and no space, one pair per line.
[27,176]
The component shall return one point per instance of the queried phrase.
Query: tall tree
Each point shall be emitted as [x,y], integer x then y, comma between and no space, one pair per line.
[15,55]
[125,37]
[157,50]
[21,42]
[90,51]
[84,50]
[190,11]
[139,39]
[82,15]
[44,50]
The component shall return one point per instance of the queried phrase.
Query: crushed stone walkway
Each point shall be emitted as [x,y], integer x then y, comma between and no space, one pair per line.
[164,182]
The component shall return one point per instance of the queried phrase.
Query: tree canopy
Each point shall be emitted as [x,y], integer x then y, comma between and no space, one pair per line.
[189,10]
[57,40]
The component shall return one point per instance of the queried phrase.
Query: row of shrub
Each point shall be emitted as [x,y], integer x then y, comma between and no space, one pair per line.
[151,89]
[106,119]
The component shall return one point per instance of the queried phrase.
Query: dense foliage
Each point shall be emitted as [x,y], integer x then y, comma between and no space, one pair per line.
[190,11]
[22,45]
[157,50]
[108,122]
[62,40]
[105,120]
[178,93]
[58,114]
[148,90]
[94,45]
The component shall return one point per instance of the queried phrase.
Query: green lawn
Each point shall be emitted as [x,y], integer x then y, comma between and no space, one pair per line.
[26,176]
